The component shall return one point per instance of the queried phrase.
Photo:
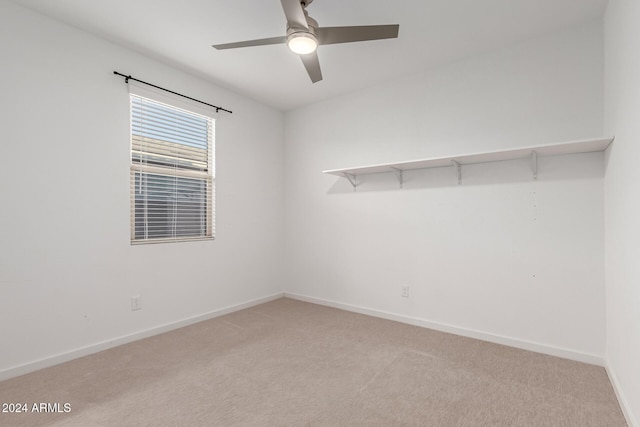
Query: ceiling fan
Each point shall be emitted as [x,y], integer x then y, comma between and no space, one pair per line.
[304,35]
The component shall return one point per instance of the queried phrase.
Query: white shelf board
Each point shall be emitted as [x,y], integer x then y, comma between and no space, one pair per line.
[570,147]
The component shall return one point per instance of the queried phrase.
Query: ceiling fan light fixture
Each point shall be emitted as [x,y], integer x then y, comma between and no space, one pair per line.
[302,43]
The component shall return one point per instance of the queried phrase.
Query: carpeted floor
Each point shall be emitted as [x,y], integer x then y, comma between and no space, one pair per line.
[290,363]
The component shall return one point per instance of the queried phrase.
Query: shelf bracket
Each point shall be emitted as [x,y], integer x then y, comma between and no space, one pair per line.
[459,170]
[534,164]
[352,179]
[400,175]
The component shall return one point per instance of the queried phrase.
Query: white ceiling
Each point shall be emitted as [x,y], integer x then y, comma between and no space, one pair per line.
[432,32]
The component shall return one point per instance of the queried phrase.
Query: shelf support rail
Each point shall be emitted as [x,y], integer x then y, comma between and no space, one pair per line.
[400,175]
[534,164]
[352,179]
[459,170]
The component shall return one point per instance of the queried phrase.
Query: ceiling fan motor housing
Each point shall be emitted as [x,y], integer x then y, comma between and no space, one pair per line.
[303,40]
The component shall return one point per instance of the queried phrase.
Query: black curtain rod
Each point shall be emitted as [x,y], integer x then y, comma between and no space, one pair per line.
[127,78]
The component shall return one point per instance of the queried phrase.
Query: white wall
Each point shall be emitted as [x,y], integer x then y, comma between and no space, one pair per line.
[622,204]
[469,253]
[67,269]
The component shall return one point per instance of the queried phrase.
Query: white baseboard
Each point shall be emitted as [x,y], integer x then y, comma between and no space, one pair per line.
[470,333]
[104,345]
[624,403]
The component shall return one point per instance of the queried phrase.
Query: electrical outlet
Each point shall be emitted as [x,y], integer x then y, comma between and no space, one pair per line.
[404,291]
[136,303]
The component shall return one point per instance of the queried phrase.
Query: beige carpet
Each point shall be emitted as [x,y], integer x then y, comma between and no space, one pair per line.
[290,363]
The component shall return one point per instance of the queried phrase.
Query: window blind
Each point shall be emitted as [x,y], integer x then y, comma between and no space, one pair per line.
[172,174]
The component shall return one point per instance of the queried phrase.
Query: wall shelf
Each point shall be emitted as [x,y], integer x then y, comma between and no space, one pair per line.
[457,162]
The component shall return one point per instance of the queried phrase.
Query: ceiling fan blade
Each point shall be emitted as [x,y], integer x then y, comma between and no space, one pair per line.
[295,14]
[334,35]
[312,64]
[249,43]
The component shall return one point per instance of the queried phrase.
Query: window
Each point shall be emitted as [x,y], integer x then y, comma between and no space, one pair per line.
[172,173]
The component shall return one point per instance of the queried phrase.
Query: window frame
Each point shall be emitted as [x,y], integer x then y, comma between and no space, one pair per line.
[208,176]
